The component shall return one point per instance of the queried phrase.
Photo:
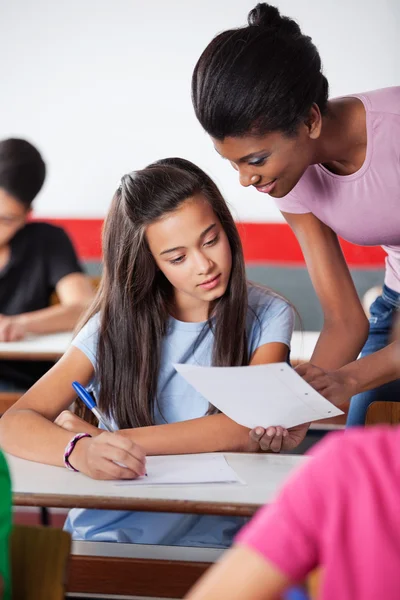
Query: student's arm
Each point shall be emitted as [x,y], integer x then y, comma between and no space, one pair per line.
[213,433]
[242,574]
[27,429]
[75,293]
[345,326]
[358,376]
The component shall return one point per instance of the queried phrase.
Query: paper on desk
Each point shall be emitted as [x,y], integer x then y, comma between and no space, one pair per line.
[264,395]
[185,469]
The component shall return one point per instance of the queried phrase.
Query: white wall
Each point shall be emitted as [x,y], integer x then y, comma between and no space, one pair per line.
[103,86]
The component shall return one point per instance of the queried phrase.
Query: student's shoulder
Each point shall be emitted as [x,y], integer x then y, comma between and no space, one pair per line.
[262,298]
[39,230]
[87,338]
[89,330]
[41,227]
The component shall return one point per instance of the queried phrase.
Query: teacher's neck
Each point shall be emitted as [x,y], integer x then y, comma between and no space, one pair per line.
[342,144]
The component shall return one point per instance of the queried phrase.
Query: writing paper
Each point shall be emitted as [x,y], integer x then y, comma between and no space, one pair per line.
[185,469]
[260,395]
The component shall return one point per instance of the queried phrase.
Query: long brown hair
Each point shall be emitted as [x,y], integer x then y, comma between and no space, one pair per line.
[134,296]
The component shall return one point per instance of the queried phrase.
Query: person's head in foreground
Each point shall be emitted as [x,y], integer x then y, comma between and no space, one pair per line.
[22,173]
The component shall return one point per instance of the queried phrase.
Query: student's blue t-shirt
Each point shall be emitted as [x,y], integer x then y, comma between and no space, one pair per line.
[270,319]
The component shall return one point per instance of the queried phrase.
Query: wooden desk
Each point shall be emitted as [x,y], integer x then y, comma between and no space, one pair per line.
[156,571]
[35,484]
[37,347]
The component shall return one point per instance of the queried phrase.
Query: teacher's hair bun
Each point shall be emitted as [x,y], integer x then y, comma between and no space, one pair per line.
[268,16]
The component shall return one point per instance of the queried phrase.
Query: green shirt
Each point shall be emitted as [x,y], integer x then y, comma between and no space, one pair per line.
[5,526]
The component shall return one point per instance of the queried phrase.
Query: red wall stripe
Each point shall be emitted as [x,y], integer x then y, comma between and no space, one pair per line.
[263,243]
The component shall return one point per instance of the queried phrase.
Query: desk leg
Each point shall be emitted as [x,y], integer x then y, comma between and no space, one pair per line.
[44,516]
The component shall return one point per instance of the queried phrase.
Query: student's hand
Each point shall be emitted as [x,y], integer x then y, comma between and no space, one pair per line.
[11,330]
[276,439]
[69,421]
[333,385]
[98,457]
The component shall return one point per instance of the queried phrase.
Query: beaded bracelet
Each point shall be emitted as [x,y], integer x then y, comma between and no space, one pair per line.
[70,446]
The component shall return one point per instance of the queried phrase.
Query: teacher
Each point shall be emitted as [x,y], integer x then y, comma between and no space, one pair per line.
[332,166]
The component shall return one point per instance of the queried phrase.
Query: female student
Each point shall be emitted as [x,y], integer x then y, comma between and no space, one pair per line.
[331,165]
[173,291]
[36,259]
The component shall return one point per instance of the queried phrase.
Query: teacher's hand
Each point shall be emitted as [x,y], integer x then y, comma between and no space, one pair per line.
[333,385]
[276,439]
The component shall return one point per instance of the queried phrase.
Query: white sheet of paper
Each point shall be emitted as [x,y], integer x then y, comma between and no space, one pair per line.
[185,469]
[264,395]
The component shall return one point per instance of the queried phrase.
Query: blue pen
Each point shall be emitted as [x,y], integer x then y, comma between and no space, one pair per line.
[91,404]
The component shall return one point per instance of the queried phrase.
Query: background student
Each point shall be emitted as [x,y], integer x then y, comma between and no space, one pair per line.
[339,512]
[330,164]
[173,291]
[36,259]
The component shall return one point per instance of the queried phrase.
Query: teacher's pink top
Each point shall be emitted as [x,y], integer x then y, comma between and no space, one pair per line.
[363,208]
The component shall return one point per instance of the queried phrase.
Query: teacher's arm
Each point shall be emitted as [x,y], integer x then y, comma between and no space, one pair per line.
[345,328]
[359,376]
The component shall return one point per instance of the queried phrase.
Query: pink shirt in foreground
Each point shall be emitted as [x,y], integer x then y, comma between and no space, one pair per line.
[363,208]
[341,511]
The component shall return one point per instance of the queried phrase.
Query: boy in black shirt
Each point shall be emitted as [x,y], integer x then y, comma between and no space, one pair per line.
[36,259]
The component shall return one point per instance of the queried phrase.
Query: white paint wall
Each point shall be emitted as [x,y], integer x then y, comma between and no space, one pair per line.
[103,86]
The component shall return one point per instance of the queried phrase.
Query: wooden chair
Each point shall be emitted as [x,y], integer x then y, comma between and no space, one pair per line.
[383,412]
[39,560]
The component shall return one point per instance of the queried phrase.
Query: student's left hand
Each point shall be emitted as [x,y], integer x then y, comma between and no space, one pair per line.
[11,330]
[69,421]
[278,438]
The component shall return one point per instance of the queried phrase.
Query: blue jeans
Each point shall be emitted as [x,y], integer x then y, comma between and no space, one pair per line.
[383,312]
